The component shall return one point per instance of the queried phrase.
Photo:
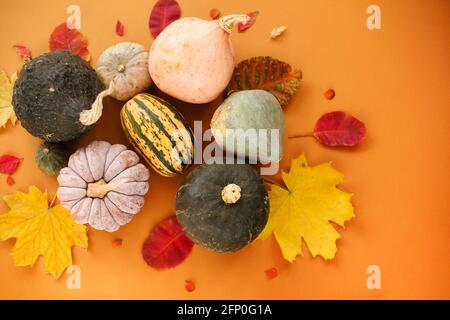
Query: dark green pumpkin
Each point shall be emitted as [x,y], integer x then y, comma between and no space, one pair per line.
[51,92]
[222,207]
[51,158]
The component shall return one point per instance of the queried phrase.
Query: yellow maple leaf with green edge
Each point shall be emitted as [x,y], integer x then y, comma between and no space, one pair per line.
[304,210]
[40,230]
[6,94]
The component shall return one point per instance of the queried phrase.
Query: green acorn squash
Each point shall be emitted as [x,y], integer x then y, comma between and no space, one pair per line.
[51,158]
[222,207]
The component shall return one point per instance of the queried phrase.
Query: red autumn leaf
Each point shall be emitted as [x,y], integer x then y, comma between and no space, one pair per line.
[271,273]
[23,51]
[9,164]
[214,14]
[189,286]
[65,38]
[117,243]
[10,180]
[329,94]
[167,246]
[241,27]
[337,129]
[120,29]
[163,13]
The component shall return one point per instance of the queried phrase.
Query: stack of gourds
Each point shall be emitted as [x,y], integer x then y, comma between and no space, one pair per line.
[58,96]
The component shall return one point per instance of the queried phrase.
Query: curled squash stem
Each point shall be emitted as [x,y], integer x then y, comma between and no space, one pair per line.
[100,188]
[227,22]
[91,116]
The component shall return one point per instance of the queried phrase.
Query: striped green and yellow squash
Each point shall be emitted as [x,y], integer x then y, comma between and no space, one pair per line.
[159,133]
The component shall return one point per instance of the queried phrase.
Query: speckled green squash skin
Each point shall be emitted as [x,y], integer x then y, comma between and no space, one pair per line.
[51,92]
[51,158]
[211,223]
[254,110]
[149,123]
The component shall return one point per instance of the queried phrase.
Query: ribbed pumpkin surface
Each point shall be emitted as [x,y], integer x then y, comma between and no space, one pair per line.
[159,133]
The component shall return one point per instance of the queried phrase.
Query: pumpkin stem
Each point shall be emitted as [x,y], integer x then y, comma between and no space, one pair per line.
[100,188]
[231,193]
[121,68]
[91,116]
[227,22]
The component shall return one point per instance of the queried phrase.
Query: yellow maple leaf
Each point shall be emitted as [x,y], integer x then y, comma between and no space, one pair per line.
[40,230]
[304,210]
[6,93]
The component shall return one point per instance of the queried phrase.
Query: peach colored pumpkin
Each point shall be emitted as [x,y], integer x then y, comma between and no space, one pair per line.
[193,59]
[104,185]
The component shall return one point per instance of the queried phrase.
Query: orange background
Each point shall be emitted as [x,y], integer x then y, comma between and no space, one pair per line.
[396,80]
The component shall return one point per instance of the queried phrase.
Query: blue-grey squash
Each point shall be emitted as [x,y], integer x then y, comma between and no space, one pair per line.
[250,124]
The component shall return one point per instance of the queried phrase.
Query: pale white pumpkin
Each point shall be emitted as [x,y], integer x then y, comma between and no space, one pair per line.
[103,185]
[193,59]
[126,64]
